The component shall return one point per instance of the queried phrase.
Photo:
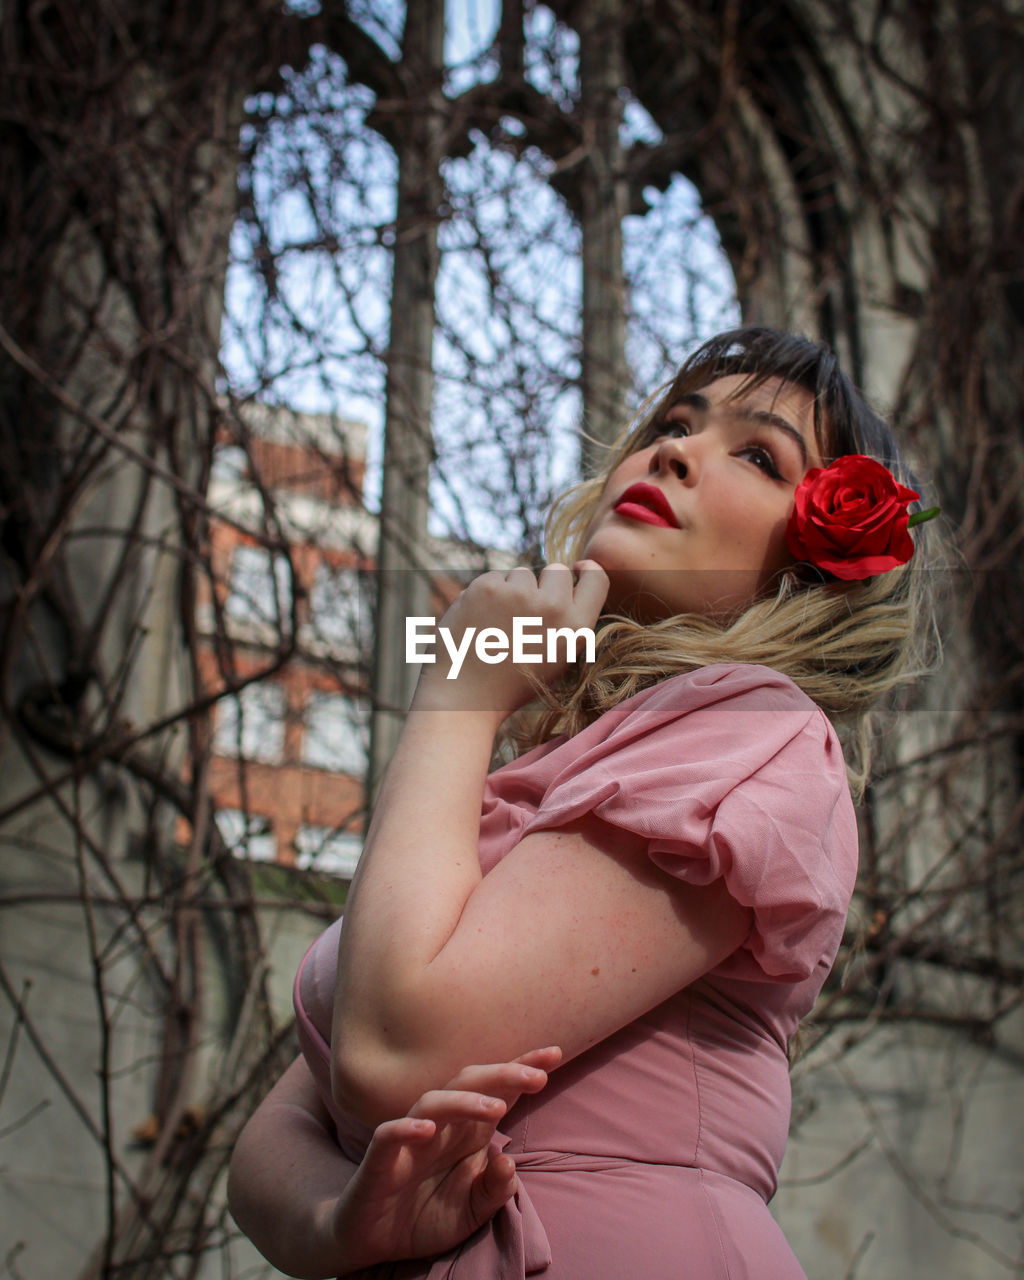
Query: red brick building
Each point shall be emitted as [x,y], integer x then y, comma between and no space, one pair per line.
[289,750]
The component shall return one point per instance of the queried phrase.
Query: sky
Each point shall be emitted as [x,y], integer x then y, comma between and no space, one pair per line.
[681,280]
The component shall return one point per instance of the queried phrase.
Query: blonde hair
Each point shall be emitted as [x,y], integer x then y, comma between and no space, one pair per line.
[845,644]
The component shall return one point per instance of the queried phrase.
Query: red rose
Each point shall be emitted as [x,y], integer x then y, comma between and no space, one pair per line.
[850,519]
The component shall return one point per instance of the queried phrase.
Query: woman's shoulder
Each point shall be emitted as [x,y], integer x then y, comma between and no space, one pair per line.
[737,719]
[733,717]
[730,717]
[737,686]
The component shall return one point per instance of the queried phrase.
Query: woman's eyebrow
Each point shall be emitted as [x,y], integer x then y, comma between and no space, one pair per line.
[694,400]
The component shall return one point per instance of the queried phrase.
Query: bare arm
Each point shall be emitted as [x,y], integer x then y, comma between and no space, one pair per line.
[426,1183]
[566,940]
[286,1178]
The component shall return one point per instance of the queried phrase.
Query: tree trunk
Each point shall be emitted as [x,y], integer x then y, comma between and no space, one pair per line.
[602,196]
[417,132]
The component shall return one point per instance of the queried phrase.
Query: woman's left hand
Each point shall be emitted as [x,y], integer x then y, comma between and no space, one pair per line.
[431,1178]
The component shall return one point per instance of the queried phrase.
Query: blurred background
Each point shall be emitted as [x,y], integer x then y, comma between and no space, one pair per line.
[307,310]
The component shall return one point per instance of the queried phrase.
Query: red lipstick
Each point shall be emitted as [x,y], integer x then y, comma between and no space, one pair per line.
[647,503]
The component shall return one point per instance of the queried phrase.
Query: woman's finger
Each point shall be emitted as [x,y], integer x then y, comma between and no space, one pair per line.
[556,574]
[393,1133]
[500,1079]
[477,1094]
[547,1059]
[446,1105]
[592,587]
[496,1184]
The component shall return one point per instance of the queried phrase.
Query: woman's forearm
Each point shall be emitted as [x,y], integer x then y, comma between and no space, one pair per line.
[286,1176]
[419,866]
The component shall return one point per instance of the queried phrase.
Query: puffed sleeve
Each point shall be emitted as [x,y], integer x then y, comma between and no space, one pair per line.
[728,772]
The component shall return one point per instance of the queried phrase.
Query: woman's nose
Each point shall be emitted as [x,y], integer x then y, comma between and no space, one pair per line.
[675,455]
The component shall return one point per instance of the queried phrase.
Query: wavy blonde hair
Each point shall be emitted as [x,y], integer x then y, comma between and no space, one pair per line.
[845,644]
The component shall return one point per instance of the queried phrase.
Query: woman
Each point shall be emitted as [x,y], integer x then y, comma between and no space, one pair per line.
[657,884]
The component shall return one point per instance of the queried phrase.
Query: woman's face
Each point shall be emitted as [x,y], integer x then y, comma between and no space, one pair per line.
[706,530]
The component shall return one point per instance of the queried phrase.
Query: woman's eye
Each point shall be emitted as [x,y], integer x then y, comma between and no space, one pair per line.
[760,457]
[671,427]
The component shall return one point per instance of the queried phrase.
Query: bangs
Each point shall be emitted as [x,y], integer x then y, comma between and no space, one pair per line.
[843,421]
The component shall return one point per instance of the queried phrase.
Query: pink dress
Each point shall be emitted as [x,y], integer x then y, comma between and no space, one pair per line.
[654,1154]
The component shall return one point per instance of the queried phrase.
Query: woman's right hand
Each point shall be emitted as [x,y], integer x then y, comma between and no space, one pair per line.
[557,597]
[431,1178]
